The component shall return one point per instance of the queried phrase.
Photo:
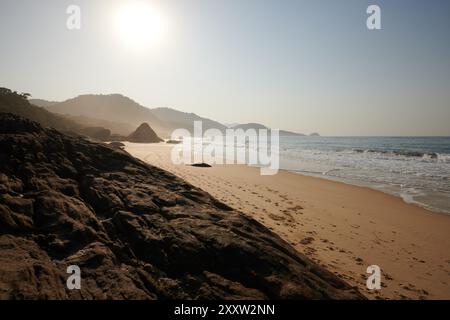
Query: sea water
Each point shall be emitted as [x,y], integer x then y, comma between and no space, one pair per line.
[414,168]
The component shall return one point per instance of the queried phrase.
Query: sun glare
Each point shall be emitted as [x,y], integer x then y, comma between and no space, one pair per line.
[139,25]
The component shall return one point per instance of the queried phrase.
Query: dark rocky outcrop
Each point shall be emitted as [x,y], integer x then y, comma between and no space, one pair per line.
[201,165]
[98,133]
[117,144]
[118,137]
[173,141]
[144,134]
[136,231]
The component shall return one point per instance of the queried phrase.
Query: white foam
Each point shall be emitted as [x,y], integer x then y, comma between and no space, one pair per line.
[410,177]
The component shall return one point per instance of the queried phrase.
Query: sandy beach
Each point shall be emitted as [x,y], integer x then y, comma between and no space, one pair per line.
[342,227]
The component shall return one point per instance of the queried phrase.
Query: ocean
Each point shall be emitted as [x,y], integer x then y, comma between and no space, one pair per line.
[414,168]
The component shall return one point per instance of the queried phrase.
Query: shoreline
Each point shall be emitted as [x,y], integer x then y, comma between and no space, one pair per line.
[342,227]
[418,204]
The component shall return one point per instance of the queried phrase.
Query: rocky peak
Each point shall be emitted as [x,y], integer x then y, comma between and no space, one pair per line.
[144,134]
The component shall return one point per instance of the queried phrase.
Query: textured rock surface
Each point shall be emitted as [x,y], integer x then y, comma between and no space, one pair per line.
[136,231]
[144,134]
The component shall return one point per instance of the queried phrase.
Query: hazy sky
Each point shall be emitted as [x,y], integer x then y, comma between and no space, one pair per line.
[298,65]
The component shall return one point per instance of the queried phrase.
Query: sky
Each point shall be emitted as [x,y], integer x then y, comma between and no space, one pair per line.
[306,66]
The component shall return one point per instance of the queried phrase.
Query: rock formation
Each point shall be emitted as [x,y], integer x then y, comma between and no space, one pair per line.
[201,165]
[117,144]
[135,231]
[98,133]
[144,134]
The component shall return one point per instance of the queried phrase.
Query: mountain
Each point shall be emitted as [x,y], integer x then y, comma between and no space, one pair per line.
[134,230]
[42,103]
[98,133]
[179,119]
[258,126]
[285,133]
[117,108]
[231,125]
[118,113]
[12,102]
[112,108]
[120,128]
[144,134]
[247,126]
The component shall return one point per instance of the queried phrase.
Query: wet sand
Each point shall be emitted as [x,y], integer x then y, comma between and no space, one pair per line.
[342,227]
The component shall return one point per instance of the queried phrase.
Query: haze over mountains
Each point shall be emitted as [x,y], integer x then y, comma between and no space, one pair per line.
[122,115]
[107,117]
[113,108]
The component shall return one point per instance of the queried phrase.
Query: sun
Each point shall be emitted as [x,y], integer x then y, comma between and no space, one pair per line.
[140,25]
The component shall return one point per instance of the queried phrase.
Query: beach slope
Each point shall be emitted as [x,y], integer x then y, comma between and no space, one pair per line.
[345,228]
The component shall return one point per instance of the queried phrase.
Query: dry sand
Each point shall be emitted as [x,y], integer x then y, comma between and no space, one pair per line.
[342,227]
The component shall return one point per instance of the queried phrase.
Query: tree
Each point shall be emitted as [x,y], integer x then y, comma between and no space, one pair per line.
[25,95]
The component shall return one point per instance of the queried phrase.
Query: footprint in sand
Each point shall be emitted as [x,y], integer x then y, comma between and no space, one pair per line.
[310,251]
[307,240]
[276,217]
[359,261]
